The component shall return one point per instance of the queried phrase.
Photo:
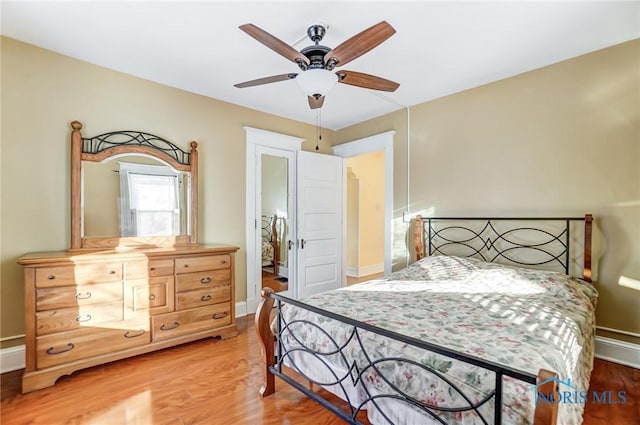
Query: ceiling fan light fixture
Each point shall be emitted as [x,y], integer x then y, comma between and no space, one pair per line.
[317,82]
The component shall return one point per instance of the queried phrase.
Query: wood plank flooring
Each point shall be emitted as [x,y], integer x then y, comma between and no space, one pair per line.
[216,382]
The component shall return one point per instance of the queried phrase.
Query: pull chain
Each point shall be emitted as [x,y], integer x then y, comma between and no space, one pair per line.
[318,126]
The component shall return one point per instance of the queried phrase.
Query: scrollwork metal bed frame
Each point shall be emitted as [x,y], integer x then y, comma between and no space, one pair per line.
[489,242]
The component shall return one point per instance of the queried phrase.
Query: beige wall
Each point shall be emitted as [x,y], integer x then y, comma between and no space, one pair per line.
[564,139]
[42,92]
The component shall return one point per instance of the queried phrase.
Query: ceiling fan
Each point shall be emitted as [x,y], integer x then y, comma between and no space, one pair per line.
[317,62]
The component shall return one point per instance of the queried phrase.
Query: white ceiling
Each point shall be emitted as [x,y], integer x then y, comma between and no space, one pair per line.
[439,47]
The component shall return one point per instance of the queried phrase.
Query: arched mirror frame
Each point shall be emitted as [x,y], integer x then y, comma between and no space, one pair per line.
[98,149]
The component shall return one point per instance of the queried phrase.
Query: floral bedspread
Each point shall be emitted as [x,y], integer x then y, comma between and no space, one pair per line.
[521,318]
[267,251]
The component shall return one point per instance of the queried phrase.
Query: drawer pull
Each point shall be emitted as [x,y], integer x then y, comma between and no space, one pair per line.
[152,297]
[112,272]
[163,328]
[83,318]
[128,334]
[51,350]
[86,296]
[223,262]
[151,269]
[186,265]
[205,280]
[51,277]
[220,315]
[205,298]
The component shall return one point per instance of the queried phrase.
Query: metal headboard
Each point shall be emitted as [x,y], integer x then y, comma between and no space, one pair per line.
[547,241]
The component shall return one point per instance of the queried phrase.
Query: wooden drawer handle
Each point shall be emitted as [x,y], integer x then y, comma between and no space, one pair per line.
[220,315]
[51,277]
[152,297]
[205,298]
[83,318]
[175,325]
[205,280]
[52,351]
[128,334]
[84,296]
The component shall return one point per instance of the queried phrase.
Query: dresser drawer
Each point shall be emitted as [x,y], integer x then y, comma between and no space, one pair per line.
[79,274]
[149,296]
[151,268]
[172,325]
[203,296]
[77,296]
[67,319]
[188,281]
[195,264]
[65,347]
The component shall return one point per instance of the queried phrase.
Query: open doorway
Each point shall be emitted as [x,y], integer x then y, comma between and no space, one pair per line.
[365,216]
[383,143]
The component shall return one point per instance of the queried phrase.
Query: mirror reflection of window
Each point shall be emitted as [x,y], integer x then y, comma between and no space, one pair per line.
[150,200]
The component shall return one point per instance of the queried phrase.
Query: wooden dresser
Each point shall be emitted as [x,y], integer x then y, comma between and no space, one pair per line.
[85,308]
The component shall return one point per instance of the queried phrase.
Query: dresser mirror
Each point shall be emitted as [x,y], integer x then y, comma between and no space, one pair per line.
[131,189]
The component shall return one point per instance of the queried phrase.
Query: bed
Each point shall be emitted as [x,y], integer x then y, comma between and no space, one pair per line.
[270,245]
[456,337]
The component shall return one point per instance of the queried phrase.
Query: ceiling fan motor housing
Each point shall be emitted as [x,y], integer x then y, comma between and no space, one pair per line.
[315,54]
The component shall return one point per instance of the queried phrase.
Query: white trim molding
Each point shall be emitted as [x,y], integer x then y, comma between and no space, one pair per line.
[617,351]
[12,358]
[255,139]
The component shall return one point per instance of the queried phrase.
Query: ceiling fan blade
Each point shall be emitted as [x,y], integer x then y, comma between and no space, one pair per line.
[315,103]
[367,81]
[274,43]
[266,80]
[359,44]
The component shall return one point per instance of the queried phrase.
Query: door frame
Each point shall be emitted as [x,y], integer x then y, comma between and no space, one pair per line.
[377,142]
[255,137]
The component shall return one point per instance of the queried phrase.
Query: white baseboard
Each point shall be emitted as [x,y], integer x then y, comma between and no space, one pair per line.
[12,358]
[241,309]
[364,270]
[617,351]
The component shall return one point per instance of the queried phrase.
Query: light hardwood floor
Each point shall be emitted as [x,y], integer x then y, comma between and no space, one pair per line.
[216,382]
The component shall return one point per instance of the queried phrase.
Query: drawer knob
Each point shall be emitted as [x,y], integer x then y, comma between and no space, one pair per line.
[220,315]
[52,351]
[186,265]
[151,269]
[205,280]
[83,318]
[205,298]
[152,297]
[112,272]
[173,326]
[51,277]
[84,296]
[128,334]
[224,261]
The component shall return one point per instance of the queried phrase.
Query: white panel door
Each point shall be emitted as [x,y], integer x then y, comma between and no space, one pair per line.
[319,223]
